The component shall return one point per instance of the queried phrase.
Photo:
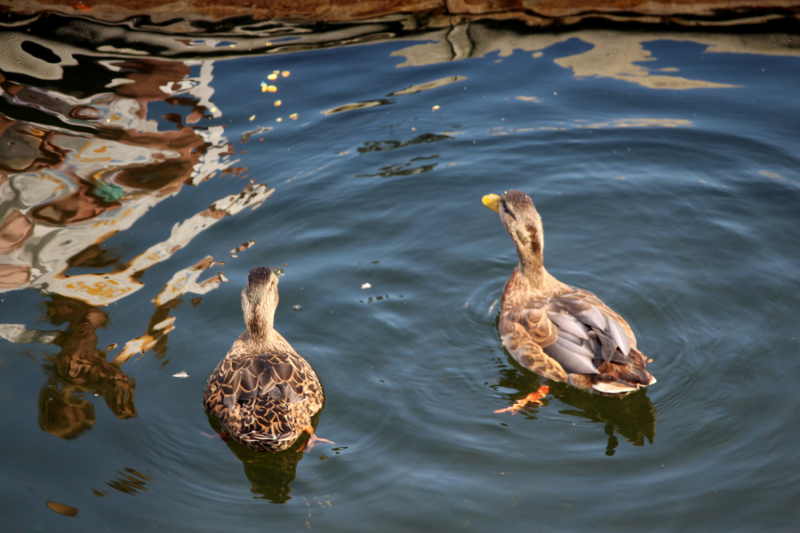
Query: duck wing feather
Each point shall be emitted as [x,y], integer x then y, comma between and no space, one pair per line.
[274,375]
[576,329]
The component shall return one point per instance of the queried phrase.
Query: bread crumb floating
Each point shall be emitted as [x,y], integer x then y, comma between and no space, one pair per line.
[181,374]
[62,509]
[366,286]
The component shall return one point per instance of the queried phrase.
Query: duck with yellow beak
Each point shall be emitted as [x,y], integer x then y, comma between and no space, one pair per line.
[559,332]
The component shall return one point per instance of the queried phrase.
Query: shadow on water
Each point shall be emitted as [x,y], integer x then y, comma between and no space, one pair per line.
[270,474]
[633,417]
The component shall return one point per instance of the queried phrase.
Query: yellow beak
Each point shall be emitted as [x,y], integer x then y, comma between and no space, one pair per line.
[492,201]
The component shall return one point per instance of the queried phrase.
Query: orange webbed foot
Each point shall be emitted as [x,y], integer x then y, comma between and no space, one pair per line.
[534,397]
[312,441]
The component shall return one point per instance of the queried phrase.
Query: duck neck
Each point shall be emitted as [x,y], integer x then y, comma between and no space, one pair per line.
[531,268]
[260,319]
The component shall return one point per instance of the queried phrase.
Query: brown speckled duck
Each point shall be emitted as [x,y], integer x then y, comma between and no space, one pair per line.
[263,393]
[557,331]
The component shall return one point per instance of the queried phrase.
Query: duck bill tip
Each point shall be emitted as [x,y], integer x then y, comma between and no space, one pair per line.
[492,201]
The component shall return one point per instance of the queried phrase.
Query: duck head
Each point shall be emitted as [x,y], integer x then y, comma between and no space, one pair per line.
[259,301]
[523,223]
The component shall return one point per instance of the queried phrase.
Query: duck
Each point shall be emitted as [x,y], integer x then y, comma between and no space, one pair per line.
[263,392]
[561,333]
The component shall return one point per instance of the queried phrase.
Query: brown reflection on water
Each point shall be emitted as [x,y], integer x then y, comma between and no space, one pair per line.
[80,166]
[80,368]
[270,474]
[633,417]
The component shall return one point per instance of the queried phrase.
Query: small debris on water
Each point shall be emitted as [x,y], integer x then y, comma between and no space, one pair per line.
[277,103]
[252,118]
[366,286]
[272,76]
[285,73]
[181,374]
[435,108]
[297,307]
[62,509]
[242,248]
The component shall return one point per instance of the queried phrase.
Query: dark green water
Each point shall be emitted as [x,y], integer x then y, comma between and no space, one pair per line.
[664,166]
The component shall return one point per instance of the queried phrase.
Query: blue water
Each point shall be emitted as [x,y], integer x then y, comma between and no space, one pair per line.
[666,176]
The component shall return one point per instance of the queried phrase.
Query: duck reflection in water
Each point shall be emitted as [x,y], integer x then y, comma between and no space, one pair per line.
[270,474]
[633,417]
[79,368]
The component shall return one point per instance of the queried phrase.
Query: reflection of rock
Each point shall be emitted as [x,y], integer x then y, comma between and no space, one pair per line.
[13,231]
[633,417]
[614,54]
[70,190]
[82,167]
[534,12]
[270,474]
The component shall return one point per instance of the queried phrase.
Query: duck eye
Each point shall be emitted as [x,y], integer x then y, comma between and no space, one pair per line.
[507,210]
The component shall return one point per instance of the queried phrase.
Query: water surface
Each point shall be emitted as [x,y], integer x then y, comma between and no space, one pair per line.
[144,177]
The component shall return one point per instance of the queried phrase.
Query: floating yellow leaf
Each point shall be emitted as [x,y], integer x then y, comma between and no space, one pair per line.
[277,103]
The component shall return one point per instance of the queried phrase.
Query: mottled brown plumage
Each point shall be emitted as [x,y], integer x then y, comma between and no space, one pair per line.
[557,331]
[263,392]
